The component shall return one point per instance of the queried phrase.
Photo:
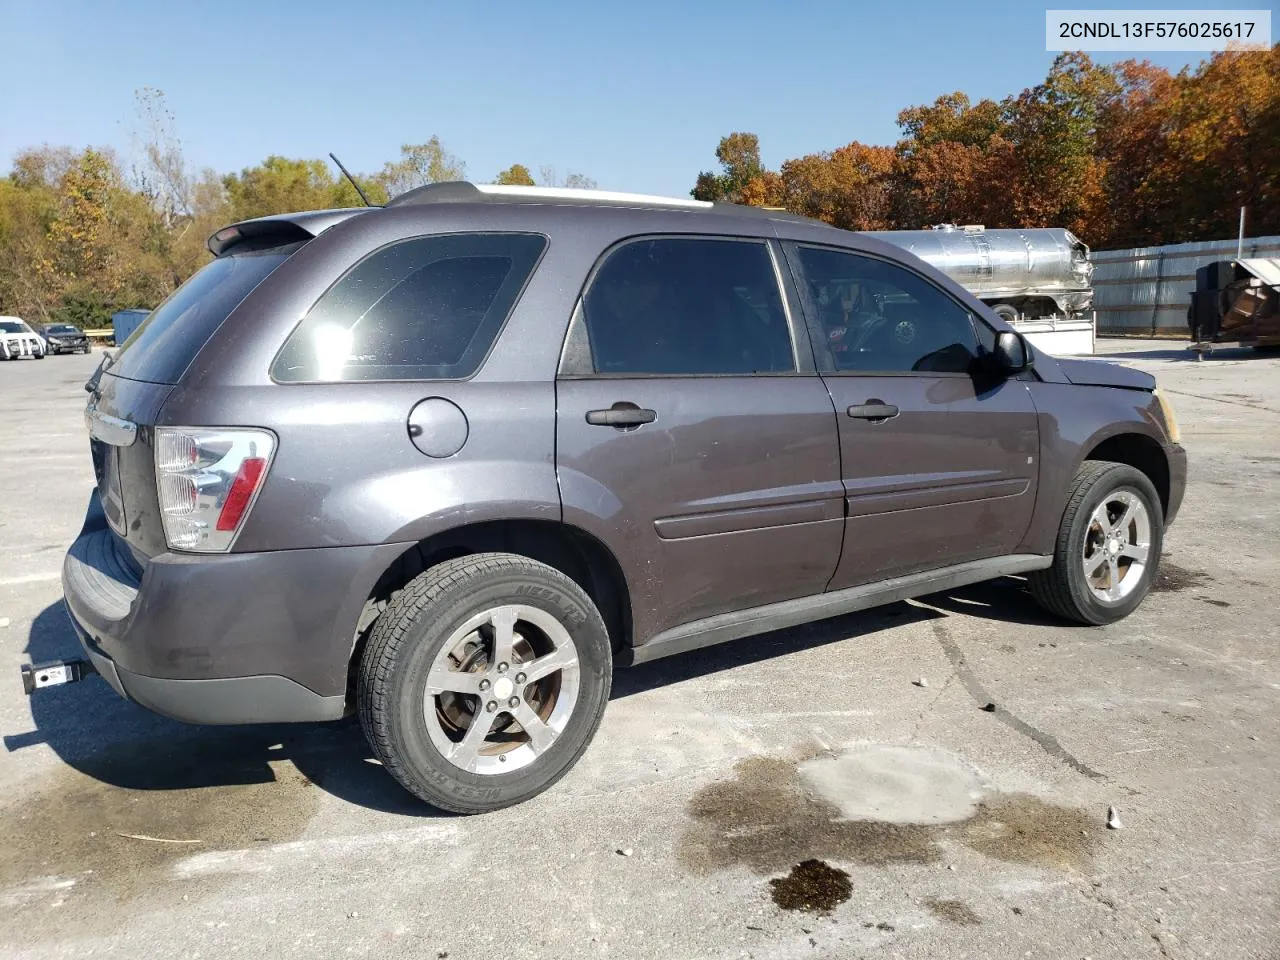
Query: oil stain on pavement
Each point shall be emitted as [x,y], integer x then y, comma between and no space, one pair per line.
[78,836]
[1171,578]
[872,806]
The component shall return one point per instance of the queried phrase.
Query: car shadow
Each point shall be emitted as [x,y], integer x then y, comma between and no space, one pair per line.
[726,656]
[1005,599]
[119,743]
[1182,352]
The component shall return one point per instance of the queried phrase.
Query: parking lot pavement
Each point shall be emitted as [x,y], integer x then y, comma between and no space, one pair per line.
[664,841]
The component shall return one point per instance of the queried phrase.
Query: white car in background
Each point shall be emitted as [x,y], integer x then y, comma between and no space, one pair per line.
[17,339]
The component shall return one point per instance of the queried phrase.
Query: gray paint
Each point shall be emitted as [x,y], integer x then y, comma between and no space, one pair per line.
[744,492]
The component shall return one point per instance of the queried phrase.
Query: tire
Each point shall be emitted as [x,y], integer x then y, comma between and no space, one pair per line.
[1065,589]
[436,616]
[41,355]
[1006,312]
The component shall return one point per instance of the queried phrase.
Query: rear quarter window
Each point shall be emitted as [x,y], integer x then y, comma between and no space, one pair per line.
[165,343]
[428,308]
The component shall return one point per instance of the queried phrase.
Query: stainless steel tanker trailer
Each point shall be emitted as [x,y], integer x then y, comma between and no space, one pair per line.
[1039,279]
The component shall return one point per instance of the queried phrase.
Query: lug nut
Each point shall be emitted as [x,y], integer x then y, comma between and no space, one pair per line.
[491,706]
[520,678]
[502,668]
[484,684]
[513,702]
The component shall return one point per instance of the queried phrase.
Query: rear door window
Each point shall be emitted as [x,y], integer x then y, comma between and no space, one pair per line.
[422,309]
[165,343]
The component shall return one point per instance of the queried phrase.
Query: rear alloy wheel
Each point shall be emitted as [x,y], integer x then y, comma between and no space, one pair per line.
[483,681]
[1108,547]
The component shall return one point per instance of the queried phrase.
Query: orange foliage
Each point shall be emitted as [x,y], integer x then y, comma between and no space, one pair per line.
[1122,154]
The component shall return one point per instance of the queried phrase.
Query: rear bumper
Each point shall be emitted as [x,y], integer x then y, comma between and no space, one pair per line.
[233,638]
[1177,457]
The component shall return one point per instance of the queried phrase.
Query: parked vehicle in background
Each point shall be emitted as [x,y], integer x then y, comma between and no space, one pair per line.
[1040,279]
[64,338]
[17,339]
[445,463]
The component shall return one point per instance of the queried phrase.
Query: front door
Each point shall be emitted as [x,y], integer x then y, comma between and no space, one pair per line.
[688,439]
[938,456]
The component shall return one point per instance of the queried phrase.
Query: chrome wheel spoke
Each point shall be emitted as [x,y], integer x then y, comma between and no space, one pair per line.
[561,658]
[503,621]
[1126,515]
[1091,564]
[1134,551]
[1113,587]
[467,750]
[443,680]
[1101,518]
[541,736]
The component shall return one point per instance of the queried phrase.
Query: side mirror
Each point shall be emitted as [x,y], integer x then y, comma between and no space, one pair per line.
[1011,353]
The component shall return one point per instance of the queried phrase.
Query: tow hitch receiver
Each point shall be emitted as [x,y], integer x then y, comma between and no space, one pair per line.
[54,673]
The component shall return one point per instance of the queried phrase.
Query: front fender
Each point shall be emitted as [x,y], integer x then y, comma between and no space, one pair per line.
[1073,421]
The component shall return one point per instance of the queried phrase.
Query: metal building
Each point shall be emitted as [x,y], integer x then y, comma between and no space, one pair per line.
[1145,291]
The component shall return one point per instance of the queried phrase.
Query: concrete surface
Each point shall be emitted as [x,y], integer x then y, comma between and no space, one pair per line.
[298,845]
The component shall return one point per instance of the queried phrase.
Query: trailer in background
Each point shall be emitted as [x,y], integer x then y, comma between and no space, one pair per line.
[124,322]
[1038,279]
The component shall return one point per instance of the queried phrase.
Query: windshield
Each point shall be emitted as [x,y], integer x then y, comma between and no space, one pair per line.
[11,326]
[62,328]
[166,342]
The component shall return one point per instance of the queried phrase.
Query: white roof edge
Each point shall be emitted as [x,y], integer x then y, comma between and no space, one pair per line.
[1266,269]
[604,196]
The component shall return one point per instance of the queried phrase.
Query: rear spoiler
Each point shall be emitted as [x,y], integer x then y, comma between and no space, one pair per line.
[283,228]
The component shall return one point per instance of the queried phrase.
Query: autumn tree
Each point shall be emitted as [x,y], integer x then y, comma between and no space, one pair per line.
[739,157]
[419,165]
[848,187]
[515,175]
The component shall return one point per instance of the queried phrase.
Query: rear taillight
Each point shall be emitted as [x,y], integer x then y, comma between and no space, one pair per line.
[207,479]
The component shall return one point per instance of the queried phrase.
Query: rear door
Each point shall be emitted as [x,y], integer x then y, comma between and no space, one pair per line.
[693,438]
[938,456]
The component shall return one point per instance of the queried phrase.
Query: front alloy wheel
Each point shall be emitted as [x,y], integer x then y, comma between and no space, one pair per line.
[1108,546]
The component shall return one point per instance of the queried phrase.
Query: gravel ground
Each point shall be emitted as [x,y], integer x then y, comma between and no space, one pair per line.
[714,777]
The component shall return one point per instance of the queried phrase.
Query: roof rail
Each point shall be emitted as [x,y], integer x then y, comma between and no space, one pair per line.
[461,191]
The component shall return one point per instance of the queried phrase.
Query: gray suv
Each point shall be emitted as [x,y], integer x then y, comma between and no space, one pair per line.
[444,463]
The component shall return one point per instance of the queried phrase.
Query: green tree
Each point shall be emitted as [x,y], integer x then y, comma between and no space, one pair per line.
[515,175]
[419,165]
[279,185]
[739,157]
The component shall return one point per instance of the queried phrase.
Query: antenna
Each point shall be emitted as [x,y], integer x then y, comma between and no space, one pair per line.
[348,175]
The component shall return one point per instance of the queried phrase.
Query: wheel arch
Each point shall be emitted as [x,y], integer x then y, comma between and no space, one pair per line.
[1143,453]
[567,548]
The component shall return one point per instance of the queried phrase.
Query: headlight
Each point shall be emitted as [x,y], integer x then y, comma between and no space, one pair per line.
[1170,421]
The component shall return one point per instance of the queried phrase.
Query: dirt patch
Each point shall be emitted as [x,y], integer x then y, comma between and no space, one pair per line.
[813,886]
[1171,578]
[1213,602]
[64,844]
[764,819]
[953,911]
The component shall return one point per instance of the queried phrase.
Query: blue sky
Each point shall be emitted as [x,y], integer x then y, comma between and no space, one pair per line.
[633,95]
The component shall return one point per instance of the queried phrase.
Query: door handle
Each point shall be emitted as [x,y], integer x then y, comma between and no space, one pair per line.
[621,415]
[877,411]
